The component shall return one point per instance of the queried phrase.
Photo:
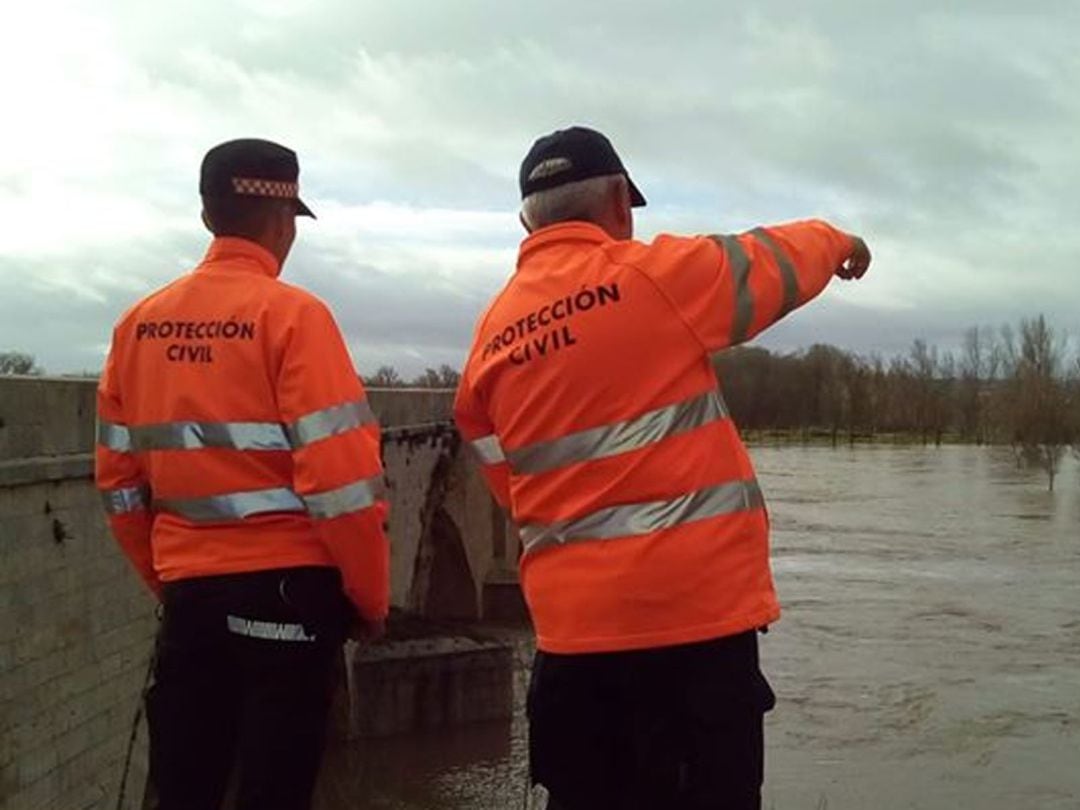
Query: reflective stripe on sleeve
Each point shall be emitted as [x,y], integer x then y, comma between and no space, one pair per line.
[744,297]
[232,506]
[114,436]
[630,520]
[787,270]
[619,437]
[201,435]
[343,500]
[329,422]
[488,449]
[125,499]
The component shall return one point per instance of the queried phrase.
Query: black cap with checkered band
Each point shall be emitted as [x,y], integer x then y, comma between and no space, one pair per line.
[252,167]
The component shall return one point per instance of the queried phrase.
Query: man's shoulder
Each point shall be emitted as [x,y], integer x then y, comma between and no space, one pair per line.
[664,253]
[292,294]
[297,301]
[149,301]
[659,247]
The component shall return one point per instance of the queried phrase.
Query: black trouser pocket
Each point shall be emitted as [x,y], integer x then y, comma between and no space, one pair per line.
[316,596]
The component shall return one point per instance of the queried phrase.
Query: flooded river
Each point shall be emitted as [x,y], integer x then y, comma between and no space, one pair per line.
[929,654]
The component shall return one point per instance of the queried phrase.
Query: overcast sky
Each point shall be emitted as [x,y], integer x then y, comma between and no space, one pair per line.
[945,133]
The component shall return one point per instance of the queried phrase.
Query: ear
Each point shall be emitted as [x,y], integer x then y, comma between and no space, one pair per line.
[284,214]
[621,204]
[206,221]
[524,224]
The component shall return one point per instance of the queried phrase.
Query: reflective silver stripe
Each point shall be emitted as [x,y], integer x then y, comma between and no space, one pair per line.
[629,520]
[200,435]
[349,498]
[126,499]
[618,437]
[233,505]
[787,271]
[488,449]
[271,631]
[114,436]
[329,421]
[744,298]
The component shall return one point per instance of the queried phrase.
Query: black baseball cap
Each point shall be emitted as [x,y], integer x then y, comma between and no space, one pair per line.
[252,167]
[569,155]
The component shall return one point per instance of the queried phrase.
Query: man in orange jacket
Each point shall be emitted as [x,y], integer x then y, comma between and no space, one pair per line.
[238,460]
[590,397]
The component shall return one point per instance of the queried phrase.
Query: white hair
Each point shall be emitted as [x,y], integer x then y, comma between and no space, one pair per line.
[582,199]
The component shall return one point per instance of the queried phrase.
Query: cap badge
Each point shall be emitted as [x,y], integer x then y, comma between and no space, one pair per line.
[546,168]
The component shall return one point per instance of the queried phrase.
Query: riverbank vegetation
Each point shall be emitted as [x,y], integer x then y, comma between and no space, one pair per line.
[1014,386]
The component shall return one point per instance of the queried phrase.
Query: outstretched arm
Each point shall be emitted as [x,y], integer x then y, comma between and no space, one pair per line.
[730,288]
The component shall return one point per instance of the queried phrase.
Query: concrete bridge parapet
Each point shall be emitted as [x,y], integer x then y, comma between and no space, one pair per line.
[76,626]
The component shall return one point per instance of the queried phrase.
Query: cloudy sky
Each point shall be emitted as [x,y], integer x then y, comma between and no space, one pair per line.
[946,133]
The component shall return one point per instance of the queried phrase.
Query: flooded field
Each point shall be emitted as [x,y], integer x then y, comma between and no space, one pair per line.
[929,654]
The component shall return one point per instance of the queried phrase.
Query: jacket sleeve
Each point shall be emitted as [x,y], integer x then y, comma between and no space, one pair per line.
[730,288]
[479,435]
[124,488]
[335,448]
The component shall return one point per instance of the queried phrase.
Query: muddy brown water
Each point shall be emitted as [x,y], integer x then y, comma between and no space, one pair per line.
[928,657]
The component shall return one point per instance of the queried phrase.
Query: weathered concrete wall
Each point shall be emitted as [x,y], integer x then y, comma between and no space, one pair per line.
[76,627]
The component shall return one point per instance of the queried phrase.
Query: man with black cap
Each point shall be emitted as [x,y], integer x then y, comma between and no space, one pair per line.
[593,405]
[238,460]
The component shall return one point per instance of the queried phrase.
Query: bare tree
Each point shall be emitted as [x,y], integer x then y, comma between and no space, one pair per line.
[13,363]
[444,376]
[924,369]
[384,377]
[1074,406]
[973,369]
[825,367]
[449,377]
[858,397]
[1040,422]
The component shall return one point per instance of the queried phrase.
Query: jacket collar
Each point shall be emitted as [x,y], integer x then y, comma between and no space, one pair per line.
[563,233]
[241,254]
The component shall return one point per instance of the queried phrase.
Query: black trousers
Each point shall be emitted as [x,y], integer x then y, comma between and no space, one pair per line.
[244,677]
[660,729]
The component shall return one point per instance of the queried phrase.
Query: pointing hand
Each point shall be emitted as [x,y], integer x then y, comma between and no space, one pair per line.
[857,262]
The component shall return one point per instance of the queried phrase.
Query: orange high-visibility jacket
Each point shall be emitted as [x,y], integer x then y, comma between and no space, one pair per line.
[234,434]
[592,403]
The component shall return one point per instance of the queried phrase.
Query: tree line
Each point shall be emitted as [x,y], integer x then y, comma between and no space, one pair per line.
[444,376]
[1016,386]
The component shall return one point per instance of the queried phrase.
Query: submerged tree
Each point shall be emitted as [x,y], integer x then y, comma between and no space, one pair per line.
[972,373]
[1040,422]
[1074,405]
